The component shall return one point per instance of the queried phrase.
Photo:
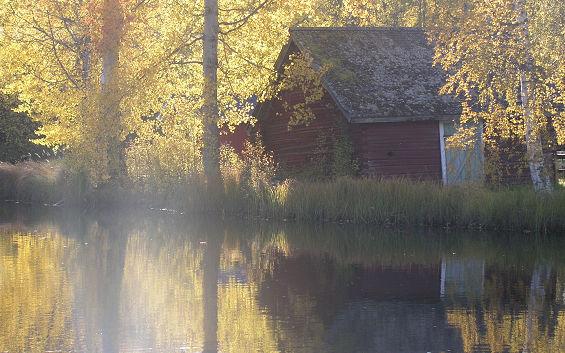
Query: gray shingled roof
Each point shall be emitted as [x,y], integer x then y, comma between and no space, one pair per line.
[379,74]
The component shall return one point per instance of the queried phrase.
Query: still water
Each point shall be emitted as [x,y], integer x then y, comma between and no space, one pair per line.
[167,283]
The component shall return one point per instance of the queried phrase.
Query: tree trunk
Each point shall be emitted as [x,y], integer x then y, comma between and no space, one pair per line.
[112,31]
[210,152]
[534,148]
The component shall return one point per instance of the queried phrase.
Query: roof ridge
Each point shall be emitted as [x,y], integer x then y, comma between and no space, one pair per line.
[353,28]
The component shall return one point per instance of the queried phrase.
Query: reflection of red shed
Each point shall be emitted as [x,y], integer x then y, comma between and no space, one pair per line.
[235,137]
[381,92]
[413,282]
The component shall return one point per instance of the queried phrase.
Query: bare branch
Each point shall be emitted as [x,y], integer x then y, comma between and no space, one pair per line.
[187,62]
[242,21]
[56,53]
[259,66]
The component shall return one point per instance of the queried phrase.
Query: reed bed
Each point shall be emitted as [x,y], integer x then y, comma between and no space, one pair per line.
[32,182]
[397,202]
[405,202]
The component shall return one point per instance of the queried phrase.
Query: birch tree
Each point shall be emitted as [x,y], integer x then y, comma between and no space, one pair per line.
[110,42]
[238,60]
[144,84]
[210,91]
[501,65]
[534,148]
[89,71]
[92,72]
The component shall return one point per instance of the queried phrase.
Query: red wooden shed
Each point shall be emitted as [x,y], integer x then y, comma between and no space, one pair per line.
[381,92]
[235,137]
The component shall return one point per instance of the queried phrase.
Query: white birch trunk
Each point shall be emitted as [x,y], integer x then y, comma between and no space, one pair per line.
[210,152]
[534,148]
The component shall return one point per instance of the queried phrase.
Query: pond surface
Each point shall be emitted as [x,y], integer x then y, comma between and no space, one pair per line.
[166,283]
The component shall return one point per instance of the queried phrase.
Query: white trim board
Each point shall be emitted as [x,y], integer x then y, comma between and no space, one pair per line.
[442,151]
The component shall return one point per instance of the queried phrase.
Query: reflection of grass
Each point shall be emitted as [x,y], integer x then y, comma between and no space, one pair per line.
[368,245]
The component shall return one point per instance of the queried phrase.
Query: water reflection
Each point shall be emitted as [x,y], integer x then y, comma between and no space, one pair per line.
[159,283]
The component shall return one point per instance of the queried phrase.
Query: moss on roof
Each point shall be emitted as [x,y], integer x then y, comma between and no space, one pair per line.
[379,74]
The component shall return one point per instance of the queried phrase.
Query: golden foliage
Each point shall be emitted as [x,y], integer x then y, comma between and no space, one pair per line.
[385,13]
[484,48]
[52,59]
[57,56]
[254,169]
[301,75]
[167,154]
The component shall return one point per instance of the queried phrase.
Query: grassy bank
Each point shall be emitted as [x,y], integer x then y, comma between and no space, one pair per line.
[361,201]
[403,202]
[33,182]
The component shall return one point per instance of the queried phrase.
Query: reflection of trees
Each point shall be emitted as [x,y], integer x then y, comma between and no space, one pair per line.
[519,313]
[238,266]
[162,291]
[172,297]
[495,322]
[110,245]
[173,284]
[210,270]
[35,293]
[243,327]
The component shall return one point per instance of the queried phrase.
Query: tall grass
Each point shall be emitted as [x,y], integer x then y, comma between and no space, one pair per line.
[405,202]
[346,200]
[44,182]
[33,182]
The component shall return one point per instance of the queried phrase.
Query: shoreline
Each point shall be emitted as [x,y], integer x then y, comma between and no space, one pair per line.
[552,224]
[382,202]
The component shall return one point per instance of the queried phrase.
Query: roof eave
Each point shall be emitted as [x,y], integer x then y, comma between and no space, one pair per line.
[393,119]
[283,55]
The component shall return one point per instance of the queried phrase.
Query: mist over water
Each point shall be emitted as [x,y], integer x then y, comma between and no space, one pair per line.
[155,282]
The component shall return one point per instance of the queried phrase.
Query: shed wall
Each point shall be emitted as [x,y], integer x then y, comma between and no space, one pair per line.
[298,146]
[236,137]
[403,149]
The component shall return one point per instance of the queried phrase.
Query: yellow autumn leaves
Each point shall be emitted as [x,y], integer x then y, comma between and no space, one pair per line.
[52,55]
